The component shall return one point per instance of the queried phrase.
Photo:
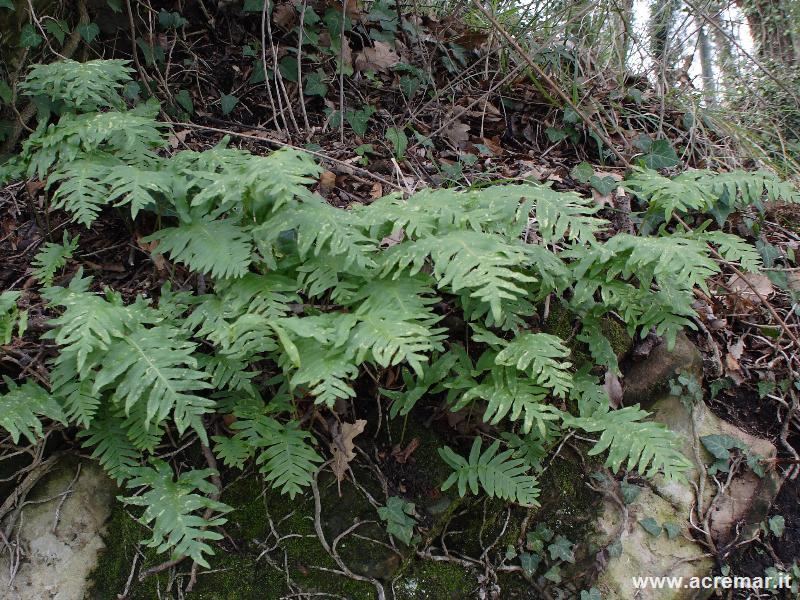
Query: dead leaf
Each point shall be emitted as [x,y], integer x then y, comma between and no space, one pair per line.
[458,133]
[613,388]
[402,456]
[284,16]
[793,281]
[754,288]
[158,259]
[380,57]
[343,446]
[376,191]
[397,236]
[327,181]
[493,144]
[177,138]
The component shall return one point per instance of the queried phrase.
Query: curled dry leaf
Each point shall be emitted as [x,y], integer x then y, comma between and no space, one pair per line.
[381,57]
[327,181]
[458,133]
[284,16]
[343,446]
[754,288]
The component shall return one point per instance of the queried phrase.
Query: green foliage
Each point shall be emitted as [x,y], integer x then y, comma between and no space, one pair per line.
[11,317]
[22,405]
[87,86]
[499,475]
[398,515]
[170,504]
[53,257]
[306,298]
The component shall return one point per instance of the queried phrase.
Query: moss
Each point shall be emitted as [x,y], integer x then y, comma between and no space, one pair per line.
[123,535]
[569,507]
[239,577]
[248,519]
[436,581]
[617,334]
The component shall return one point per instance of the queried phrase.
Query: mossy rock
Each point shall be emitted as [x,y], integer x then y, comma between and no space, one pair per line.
[437,581]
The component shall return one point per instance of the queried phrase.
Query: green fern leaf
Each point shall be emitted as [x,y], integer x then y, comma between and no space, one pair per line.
[288,461]
[734,249]
[499,475]
[483,263]
[646,446]
[155,366]
[11,317]
[113,448]
[508,395]
[171,506]
[542,356]
[85,86]
[566,215]
[221,248]
[53,257]
[22,405]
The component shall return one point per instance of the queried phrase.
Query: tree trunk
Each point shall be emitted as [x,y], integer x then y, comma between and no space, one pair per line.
[706,64]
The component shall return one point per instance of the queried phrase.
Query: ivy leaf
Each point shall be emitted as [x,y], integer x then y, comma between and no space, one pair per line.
[720,446]
[399,141]
[228,103]
[6,94]
[591,594]
[604,185]
[582,172]
[777,525]
[7,4]
[88,31]
[529,562]
[629,492]
[185,100]
[115,5]
[672,529]
[661,156]
[315,84]
[561,548]
[651,526]
[28,38]
[57,28]
[399,522]
[555,135]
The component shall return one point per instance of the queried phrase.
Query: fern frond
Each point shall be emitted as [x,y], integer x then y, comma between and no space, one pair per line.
[746,188]
[53,257]
[171,506]
[112,447]
[130,136]
[499,475]
[80,191]
[599,346]
[11,316]
[432,378]
[80,404]
[288,461]
[22,405]
[509,395]
[406,299]
[646,446]
[388,340]
[680,194]
[541,355]
[483,263]
[155,366]
[221,248]
[86,86]
[324,371]
[257,184]
[566,215]
[734,249]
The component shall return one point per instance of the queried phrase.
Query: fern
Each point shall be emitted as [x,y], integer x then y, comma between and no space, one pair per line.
[170,505]
[53,257]
[11,317]
[483,263]
[499,475]
[113,449]
[220,248]
[566,215]
[507,394]
[22,405]
[85,86]
[734,249]
[541,355]
[645,446]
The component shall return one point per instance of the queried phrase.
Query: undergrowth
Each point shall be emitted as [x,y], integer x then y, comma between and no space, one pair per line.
[306,298]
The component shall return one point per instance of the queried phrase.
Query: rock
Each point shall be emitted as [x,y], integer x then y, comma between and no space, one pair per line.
[60,534]
[749,496]
[646,555]
[647,379]
[741,508]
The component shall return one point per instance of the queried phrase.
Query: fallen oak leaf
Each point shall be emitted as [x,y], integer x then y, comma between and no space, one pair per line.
[380,57]
[343,446]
